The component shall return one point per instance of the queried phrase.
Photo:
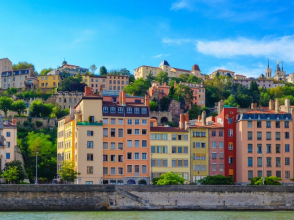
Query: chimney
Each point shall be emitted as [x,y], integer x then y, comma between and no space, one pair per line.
[13,121]
[199,118]
[153,122]
[133,93]
[101,90]
[88,91]
[213,118]
[147,100]
[287,104]
[253,106]
[187,117]
[277,106]
[71,112]
[164,84]
[119,98]
[203,118]
[182,121]
[271,105]
[123,97]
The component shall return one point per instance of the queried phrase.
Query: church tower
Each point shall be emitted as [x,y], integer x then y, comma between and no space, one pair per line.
[268,70]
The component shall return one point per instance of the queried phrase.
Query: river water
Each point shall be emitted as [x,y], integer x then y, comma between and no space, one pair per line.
[150,215]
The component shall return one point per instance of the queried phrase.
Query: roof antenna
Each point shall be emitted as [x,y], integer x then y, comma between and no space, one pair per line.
[268,63]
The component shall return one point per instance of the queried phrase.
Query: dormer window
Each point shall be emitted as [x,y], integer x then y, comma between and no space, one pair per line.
[129,110]
[120,110]
[112,110]
[105,109]
[144,110]
[137,110]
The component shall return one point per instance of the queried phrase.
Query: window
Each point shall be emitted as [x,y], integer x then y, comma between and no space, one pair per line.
[278,161]
[164,149]
[287,161]
[105,158]
[165,163]
[144,156]
[158,136]
[185,137]
[174,137]
[268,148]
[249,148]
[105,109]
[203,167]
[89,157]
[8,144]
[105,145]
[278,134]
[130,121]
[144,122]
[105,170]
[152,136]
[137,131]
[120,110]
[112,158]
[137,121]
[230,121]
[287,174]
[197,167]
[7,155]
[129,110]
[180,163]
[214,167]
[179,137]
[278,148]
[158,149]
[203,134]
[7,134]
[158,162]
[164,137]
[137,143]
[120,146]
[90,133]
[250,162]
[105,132]
[112,121]
[259,173]
[112,146]
[174,150]
[250,174]
[249,135]
[120,121]
[259,124]
[153,149]
[259,148]
[231,160]
[278,174]
[137,156]
[287,148]
[249,124]
[197,144]
[174,163]
[268,136]
[221,133]
[259,161]
[213,155]
[278,124]
[221,167]
[268,161]
[89,144]
[152,163]
[268,124]
[213,144]
[213,133]
[129,168]
[136,110]
[144,168]
[286,124]
[112,132]
[287,135]
[185,150]
[221,144]
[129,131]
[230,146]
[268,173]
[129,156]
[230,132]
[259,136]
[120,132]
[89,170]
[129,143]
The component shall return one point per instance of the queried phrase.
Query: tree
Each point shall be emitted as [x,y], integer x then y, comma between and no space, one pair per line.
[171,124]
[72,84]
[131,78]
[153,106]
[194,112]
[139,87]
[184,77]
[18,106]
[254,91]
[170,178]
[264,99]
[45,71]
[217,180]
[124,72]
[23,65]
[40,109]
[184,92]
[272,180]
[11,174]
[103,71]
[164,103]
[93,68]
[57,112]
[213,114]
[162,77]
[231,101]
[67,171]
[10,91]
[150,78]
[205,109]
[194,79]
[21,175]
[5,104]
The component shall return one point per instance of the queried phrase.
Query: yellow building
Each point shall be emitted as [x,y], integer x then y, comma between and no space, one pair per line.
[49,81]
[170,151]
[198,132]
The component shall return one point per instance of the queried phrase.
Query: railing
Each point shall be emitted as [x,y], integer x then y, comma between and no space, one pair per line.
[90,123]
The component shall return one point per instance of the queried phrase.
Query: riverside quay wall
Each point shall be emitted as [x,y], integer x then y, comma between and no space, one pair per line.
[111,197]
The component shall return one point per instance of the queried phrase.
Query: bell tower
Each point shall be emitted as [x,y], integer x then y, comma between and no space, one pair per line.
[268,70]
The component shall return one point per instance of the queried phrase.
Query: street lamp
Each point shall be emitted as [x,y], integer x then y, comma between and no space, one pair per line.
[262,168]
[151,168]
[37,167]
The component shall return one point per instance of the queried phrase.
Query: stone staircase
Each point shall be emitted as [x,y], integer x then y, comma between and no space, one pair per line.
[133,197]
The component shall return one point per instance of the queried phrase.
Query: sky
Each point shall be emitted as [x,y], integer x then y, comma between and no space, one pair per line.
[215,34]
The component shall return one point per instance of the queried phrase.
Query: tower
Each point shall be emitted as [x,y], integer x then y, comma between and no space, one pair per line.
[268,70]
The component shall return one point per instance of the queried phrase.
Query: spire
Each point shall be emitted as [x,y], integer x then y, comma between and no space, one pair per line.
[278,62]
[268,63]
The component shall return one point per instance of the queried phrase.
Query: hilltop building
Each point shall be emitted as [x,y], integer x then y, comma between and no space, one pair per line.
[72,69]
[222,72]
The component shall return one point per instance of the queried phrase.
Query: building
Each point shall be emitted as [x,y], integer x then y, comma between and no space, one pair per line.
[280,74]
[198,93]
[170,151]
[237,76]
[157,91]
[143,71]
[227,118]
[25,78]
[72,69]
[265,143]
[5,65]
[49,81]
[68,99]
[261,82]
[222,72]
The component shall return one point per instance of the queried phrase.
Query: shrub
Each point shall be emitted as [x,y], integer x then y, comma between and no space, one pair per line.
[25,123]
[39,124]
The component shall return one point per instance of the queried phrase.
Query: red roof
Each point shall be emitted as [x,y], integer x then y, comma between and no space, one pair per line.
[225,70]
[263,111]
[199,125]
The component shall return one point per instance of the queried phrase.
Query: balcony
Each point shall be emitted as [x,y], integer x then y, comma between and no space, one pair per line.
[90,123]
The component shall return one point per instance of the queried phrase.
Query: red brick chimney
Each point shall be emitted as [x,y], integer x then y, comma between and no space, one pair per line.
[187,117]
[101,87]
[199,118]
[147,100]
[123,97]
[13,121]
[182,121]
[88,91]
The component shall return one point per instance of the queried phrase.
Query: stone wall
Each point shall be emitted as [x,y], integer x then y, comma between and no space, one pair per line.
[127,197]
[51,122]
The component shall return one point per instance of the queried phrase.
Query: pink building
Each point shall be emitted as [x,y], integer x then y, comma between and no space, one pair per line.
[216,150]
[264,143]
[158,91]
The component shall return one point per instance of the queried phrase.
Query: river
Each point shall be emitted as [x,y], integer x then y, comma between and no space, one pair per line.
[150,215]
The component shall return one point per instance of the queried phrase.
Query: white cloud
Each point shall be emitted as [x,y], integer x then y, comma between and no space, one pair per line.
[183,4]
[177,41]
[160,55]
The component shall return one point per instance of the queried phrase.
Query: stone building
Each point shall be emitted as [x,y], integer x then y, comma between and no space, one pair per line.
[5,65]
[68,99]
[72,69]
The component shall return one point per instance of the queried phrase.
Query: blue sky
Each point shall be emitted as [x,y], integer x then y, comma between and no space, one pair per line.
[234,35]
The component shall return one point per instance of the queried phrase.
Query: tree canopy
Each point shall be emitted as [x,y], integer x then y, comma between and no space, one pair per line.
[162,77]
[5,104]
[194,111]
[216,180]
[20,175]
[71,83]
[170,178]
[271,180]
[23,65]
[139,87]
[164,103]
[103,71]
[11,174]
[40,109]
[18,106]
[150,78]
[153,106]
[67,171]
[93,68]
[45,71]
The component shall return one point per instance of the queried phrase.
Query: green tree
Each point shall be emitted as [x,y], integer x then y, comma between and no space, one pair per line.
[18,106]
[103,71]
[10,91]
[170,178]
[184,92]
[11,174]
[93,68]
[45,71]
[150,78]
[272,180]
[67,171]
[231,101]
[194,112]
[131,78]
[205,109]
[171,124]
[40,109]
[194,79]
[254,91]
[23,65]
[21,172]
[164,103]
[72,84]
[57,112]
[216,180]
[139,87]
[213,114]
[264,99]
[153,106]
[184,77]
[124,72]
[5,104]
[162,77]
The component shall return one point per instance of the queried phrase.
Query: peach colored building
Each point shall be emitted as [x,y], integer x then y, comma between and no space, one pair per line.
[265,142]
[198,93]
[158,91]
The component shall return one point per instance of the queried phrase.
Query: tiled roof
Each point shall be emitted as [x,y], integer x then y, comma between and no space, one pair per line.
[264,111]
[225,71]
[199,125]
[182,70]
[167,129]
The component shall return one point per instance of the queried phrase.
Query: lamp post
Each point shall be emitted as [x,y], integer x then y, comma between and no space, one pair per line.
[151,168]
[262,168]
[37,167]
